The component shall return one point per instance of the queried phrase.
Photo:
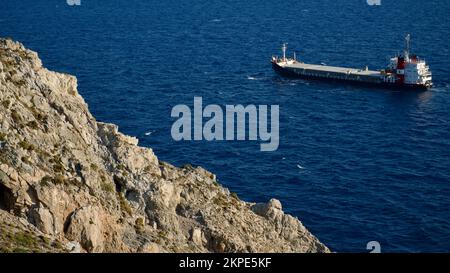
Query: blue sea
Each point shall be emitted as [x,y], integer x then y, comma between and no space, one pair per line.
[354,164]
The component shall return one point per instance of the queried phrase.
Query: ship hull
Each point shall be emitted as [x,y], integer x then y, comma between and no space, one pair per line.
[286,72]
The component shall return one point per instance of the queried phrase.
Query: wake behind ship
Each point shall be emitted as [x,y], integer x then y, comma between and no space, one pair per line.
[404,72]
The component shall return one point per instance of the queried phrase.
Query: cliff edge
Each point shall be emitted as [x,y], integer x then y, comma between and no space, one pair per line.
[71,184]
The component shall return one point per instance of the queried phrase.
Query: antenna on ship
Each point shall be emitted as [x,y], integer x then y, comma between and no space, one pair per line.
[408,44]
[283,48]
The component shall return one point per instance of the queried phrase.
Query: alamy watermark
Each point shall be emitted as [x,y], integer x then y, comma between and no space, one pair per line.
[73,2]
[374,2]
[374,247]
[229,124]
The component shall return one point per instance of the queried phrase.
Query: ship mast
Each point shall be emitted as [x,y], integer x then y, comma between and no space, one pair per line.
[283,48]
[408,44]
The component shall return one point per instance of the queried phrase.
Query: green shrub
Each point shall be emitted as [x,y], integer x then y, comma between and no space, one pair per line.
[4,159]
[105,186]
[57,244]
[33,125]
[25,159]
[45,240]
[148,168]
[26,145]
[21,250]
[16,117]
[43,154]
[20,83]
[4,249]
[21,242]
[162,234]
[139,224]
[46,180]
[6,103]
[124,206]
[38,116]
[59,179]
[234,195]
[94,167]
[58,167]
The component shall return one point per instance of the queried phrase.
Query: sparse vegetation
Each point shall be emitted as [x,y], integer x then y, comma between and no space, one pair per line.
[121,167]
[24,239]
[16,117]
[21,250]
[6,103]
[4,249]
[139,224]
[46,180]
[148,168]
[20,83]
[124,206]
[19,242]
[57,244]
[58,167]
[105,186]
[33,125]
[94,167]
[75,182]
[2,136]
[162,233]
[45,240]
[38,116]
[25,159]
[220,201]
[43,154]
[59,179]
[3,159]
[26,145]
[234,195]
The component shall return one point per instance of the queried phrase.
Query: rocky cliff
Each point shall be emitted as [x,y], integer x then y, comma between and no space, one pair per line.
[69,183]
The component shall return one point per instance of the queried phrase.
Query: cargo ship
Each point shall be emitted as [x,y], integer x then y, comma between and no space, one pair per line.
[405,71]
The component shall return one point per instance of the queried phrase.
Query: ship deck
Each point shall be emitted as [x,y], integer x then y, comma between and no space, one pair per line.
[333,69]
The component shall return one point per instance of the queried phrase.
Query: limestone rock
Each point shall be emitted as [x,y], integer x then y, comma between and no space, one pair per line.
[43,220]
[85,226]
[73,247]
[270,210]
[198,237]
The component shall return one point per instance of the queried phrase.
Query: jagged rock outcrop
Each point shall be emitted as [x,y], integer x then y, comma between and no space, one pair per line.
[69,183]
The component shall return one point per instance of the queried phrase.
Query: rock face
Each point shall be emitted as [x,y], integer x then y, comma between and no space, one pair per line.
[72,184]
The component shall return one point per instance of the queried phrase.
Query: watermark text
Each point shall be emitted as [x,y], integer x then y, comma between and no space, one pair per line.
[236,122]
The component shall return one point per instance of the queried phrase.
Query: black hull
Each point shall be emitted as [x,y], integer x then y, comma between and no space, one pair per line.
[287,73]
